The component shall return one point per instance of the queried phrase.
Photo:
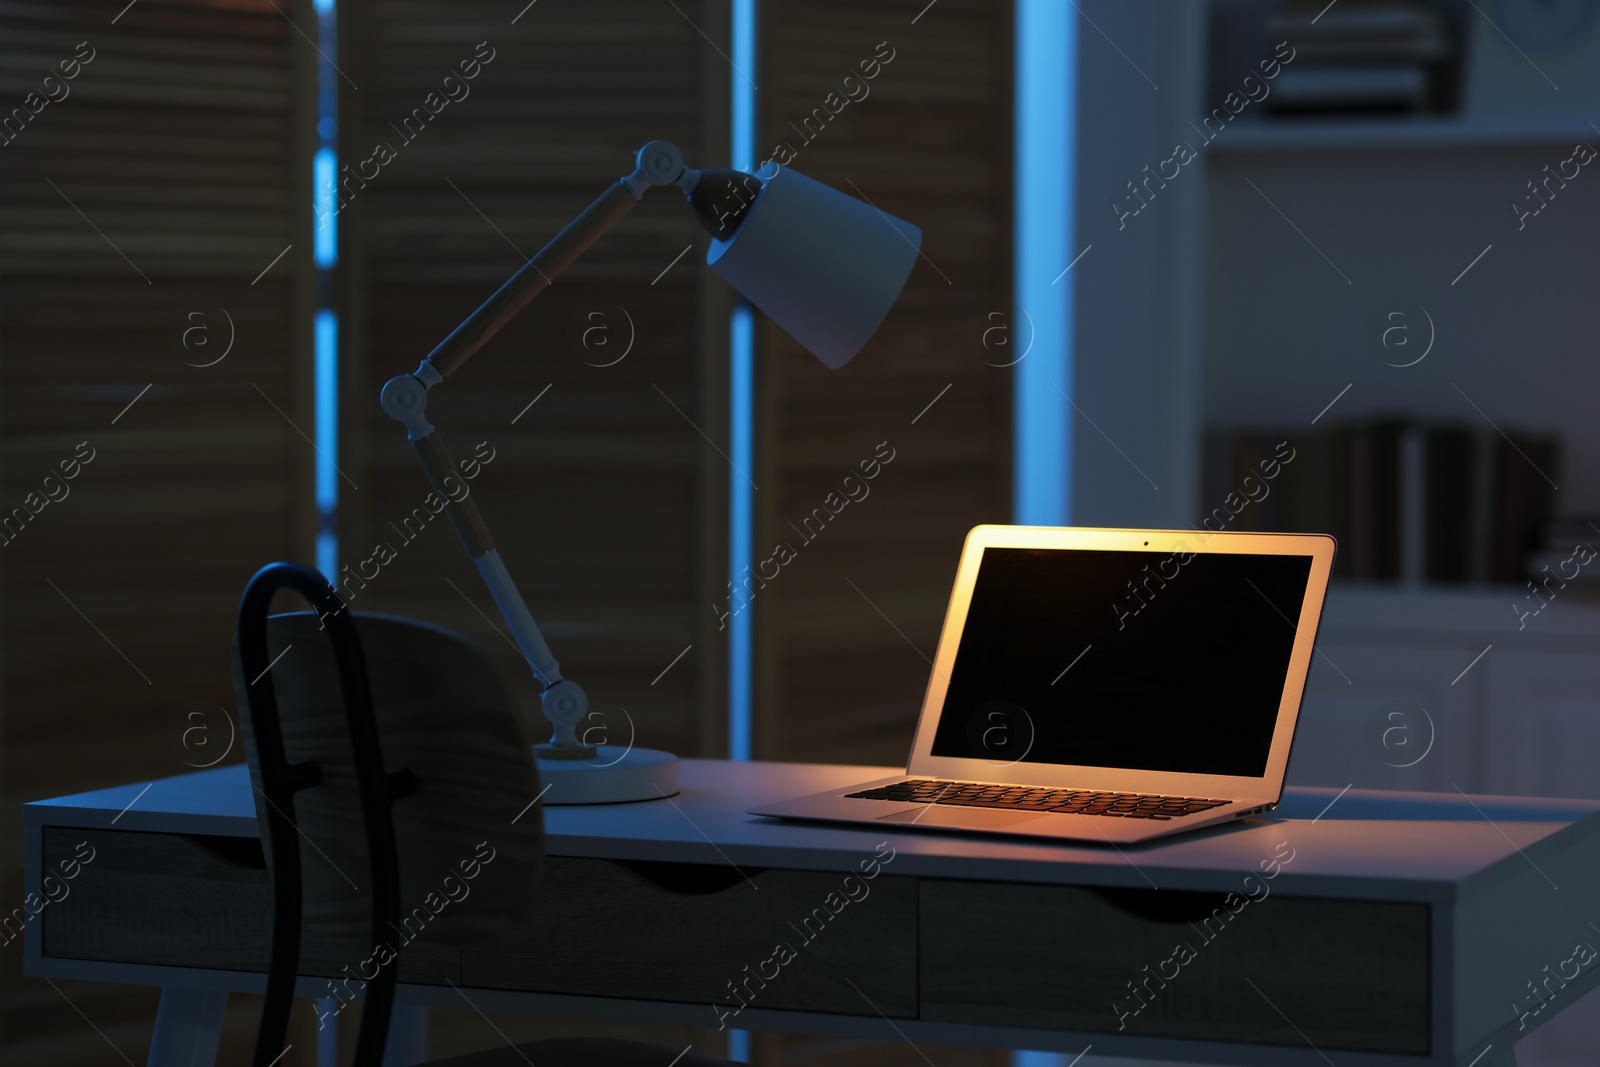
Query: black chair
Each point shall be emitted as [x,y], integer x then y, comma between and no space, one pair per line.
[463,771]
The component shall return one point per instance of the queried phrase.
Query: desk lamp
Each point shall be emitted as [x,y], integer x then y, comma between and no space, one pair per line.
[825,266]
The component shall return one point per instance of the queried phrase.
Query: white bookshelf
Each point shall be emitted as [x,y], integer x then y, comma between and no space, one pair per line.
[1211,308]
[1218,306]
[1403,133]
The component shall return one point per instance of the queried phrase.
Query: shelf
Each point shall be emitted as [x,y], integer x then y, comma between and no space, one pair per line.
[1298,135]
[1360,611]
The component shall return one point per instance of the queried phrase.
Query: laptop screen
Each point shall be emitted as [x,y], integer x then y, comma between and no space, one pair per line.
[1138,660]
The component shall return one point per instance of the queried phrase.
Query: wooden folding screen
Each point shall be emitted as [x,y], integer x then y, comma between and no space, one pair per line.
[150,178]
[144,205]
[585,412]
[913,114]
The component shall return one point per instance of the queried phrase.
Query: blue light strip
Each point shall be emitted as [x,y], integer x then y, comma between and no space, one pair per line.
[743,134]
[741,415]
[325,365]
[742,436]
[327,408]
[326,404]
[1041,323]
[1046,135]
[325,336]
[324,202]
[741,530]
[328,1036]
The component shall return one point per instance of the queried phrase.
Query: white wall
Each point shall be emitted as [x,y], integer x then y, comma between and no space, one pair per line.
[1137,340]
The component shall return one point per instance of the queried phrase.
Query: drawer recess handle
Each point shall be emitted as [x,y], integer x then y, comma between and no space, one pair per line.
[689,879]
[1163,905]
[234,851]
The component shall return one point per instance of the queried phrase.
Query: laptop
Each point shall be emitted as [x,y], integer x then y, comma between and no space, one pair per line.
[1107,686]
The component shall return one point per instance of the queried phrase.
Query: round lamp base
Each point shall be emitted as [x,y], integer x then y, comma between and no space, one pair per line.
[612,777]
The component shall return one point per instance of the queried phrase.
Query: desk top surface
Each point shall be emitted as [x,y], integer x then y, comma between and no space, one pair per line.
[1357,843]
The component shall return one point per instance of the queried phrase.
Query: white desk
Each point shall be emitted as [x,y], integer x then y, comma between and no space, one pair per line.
[1401,932]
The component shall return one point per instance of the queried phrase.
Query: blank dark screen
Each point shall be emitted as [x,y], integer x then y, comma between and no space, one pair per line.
[1124,659]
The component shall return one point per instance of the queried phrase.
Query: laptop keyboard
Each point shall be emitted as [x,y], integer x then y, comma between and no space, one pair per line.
[1039,798]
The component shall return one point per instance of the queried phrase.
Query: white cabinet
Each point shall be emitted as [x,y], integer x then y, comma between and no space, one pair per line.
[1507,710]
[1544,733]
[1385,716]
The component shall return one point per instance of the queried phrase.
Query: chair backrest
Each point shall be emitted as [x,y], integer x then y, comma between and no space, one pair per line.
[454,782]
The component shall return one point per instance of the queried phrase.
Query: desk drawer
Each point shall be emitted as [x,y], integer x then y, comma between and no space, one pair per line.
[1349,974]
[703,933]
[189,901]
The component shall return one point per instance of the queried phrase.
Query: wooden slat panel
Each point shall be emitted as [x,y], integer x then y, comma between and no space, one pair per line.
[594,494]
[189,489]
[928,141]
[162,183]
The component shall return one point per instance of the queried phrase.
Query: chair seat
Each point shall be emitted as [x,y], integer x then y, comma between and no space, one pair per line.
[582,1052]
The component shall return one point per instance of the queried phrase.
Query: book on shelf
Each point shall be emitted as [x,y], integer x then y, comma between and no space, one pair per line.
[1310,58]
[1569,554]
[1408,501]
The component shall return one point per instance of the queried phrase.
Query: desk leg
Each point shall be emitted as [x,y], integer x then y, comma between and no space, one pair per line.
[188,1027]
[408,1037]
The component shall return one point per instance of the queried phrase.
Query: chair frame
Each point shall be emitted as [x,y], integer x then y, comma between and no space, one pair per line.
[281,780]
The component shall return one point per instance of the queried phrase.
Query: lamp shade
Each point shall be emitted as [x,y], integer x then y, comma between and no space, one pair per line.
[821,264]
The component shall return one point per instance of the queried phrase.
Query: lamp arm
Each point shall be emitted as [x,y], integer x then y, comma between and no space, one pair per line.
[405,399]
[473,533]
[533,277]
[659,163]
